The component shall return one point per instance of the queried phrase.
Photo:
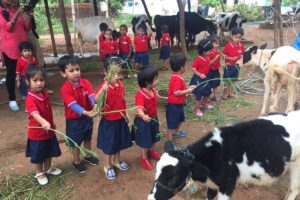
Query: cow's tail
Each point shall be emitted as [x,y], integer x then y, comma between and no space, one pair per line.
[280,70]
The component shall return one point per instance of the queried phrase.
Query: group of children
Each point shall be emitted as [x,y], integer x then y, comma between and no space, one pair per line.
[114,134]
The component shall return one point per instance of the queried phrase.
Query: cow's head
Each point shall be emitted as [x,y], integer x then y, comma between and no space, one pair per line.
[173,170]
[252,56]
[212,28]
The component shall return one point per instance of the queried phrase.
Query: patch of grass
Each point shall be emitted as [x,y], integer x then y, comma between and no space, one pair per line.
[131,85]
[25,187]
[92,63]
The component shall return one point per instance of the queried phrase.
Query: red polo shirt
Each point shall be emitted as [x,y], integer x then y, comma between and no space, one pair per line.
[216,65]
[147,102]
[165,40]
[39,103]
[202,65]
[233,50]
[176,84]
[125,44]
[114,101]
[109,47]
[23,63]
[141,43]
[80,94]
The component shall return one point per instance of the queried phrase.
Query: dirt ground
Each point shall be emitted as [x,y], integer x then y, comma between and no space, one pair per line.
[135,183]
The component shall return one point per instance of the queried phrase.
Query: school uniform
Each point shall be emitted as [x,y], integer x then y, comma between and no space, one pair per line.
[41,144]
[113,131]
[78,128]
[175,106]
[22,65]
[124,46]
[203,89]
[141,49]
[146,133]
[101,39]
[214,72]
[165,46]
[108,48]
[231,71]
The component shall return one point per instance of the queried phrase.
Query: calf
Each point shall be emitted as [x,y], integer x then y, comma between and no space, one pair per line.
[256,152]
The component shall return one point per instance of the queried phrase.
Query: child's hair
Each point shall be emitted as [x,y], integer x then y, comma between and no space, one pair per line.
[214,38]
[103,26]
[124,26]
[25,45]
[66,60]
[237,30]
[164,29]
[177,61]
[32,70]
[146,76]
[204,45]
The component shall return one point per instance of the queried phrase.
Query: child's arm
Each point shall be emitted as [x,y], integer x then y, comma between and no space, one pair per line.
[103,88]
[18,71]
[199,74]
[212,61]
[185,92]
[44,123]
[141,113]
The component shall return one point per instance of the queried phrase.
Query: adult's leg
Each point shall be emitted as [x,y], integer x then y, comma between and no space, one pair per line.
[10,76]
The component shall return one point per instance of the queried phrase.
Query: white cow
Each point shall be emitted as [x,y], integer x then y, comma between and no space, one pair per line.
[88,29]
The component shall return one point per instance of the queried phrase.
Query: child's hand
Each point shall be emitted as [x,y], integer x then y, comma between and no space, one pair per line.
[46,125]
[87,113]
[94,111]
[146,118]
[202,76]
[191,88]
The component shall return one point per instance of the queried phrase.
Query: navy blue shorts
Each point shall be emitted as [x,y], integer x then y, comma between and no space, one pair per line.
[23,86]
[203,89]
[175,115]
[214,77]
[113,136]
[146,133]
[164,52]
[141,57]
[124,57]
[231,73]
[79,130]
[40,150]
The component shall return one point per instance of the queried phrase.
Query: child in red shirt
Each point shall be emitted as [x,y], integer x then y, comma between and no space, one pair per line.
[26,59]
[141,48]
[102,27]
[42,143]
[146,123]
[113,131]
[233,51]
[78,97]
[165,43]
[176,97]
[125,47]
[109,47]
[201,67]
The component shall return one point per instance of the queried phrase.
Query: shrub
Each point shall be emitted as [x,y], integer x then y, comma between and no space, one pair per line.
[249,12]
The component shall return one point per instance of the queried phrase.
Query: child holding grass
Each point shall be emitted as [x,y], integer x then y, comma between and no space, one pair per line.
[113,130]
[146,122]
[78,97]
[42,143]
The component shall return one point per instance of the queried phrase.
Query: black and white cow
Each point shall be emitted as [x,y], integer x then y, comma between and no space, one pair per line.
[258,152]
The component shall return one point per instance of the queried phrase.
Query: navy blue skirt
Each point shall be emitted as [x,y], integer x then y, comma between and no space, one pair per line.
[79,130]
[175,115]
[141,57]
[23,86]
[164,52]
[203,89]
[146,133]
[113,136]
[214,77]
[40,150]
[231,73]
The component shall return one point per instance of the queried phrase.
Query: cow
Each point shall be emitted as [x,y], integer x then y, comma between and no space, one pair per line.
[171,21]
[87,29]
[230,155]
[145,22]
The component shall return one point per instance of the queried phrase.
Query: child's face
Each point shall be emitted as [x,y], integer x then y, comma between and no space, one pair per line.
[108,35]
[27,53]
[116,78]
[182,70]
[123,31]
[37,83]
[216,44]
[236,38]
[153,84]
[206,53]
[72,73]
[141,31]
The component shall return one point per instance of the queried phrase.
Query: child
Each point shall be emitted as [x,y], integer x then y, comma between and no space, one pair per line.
[113,132]
[102,27]
[26,59]
[165,46]
[109,47]
[233,51]
[125,46]
[78,96]
[214,73]
[42,143]
[146,122]
[141,48]
[176,97]
[201,66]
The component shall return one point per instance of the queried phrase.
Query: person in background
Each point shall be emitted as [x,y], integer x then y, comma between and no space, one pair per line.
[125,46]
[141,47]
[165,43]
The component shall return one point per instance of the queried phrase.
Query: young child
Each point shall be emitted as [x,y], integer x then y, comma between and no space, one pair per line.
[42,143]
[113,131]
[200,67]
[109,47]
[125,47]
[165,43]
[176,97]
[78,97]
[214,73]
[146,122]
[26,59]
[102,27]
[233,51]
[141,48]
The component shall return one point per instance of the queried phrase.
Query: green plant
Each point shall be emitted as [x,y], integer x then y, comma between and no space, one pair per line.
[249,12]
[212,3]
[115,6]
[289,2]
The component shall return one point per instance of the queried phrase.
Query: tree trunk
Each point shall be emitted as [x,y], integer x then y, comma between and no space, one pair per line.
[181,6]
[50,28]
[222,4]
[189,5]
[147,11]
[95,7]
[280,25]
[276,23]
[37,51]
[64,24]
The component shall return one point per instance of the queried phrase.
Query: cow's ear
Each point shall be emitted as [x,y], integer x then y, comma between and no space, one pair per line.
[253,49]
[169,146]
[263,46]
[198,170]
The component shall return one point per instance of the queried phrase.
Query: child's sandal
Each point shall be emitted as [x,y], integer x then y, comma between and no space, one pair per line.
[41,178]
[54,171]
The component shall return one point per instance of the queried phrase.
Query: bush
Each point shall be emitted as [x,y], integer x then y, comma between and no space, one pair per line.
[115,6]
[249,12]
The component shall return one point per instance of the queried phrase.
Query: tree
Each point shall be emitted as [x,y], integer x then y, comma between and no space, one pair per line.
[181,6]
[278,30]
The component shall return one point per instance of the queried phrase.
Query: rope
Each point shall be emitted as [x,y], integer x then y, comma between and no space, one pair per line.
[248,85]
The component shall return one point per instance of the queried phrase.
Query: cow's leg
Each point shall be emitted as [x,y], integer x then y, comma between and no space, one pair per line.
[275,97]
[266,94]
[294,180]
[226,188]
[211,193]
[291,88]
